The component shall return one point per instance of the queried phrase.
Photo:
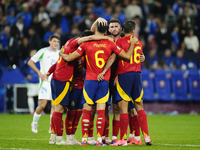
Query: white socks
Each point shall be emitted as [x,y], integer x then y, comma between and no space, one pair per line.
[36,117]
[31,104]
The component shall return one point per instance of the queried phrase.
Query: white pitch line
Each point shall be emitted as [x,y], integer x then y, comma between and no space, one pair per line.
[18,148]
[187,145]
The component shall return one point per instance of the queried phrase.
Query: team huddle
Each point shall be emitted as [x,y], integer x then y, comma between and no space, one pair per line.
[113,75]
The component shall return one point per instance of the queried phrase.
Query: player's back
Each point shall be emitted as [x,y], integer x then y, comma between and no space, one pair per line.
[96,55]
[132,65]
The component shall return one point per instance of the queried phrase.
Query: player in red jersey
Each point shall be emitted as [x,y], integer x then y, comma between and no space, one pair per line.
[74,111]
[129,85]
[60,85]
[97,54]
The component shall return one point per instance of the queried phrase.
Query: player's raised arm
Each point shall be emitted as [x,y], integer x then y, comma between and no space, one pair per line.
[31,63]
[128,54]
[70,57]
[109,63]
[94,25]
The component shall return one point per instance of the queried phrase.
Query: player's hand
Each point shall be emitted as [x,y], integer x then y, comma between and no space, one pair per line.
[115,81]
[102,20]
[41,76]
[142,58]
[47,75]
[133,39]
[100,77]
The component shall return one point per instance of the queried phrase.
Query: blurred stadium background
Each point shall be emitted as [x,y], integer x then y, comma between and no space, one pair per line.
[168,29]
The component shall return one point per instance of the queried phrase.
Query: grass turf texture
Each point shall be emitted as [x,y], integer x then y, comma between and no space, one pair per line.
[167,132]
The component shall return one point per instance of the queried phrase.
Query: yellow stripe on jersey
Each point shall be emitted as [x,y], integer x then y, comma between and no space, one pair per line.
[103,99]
[140,97]
[87,61]
[62,95]
[71,78]
[122,93]
[88,100]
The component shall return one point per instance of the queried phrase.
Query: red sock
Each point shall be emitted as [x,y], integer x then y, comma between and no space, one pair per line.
[142,117]
[70,120]
[58,123]
[115,129]
[107,124]
[85,122]
[100,123]
[136,125]
[76,121]
[131,125]
[90,132]
[52,124]
[124,121]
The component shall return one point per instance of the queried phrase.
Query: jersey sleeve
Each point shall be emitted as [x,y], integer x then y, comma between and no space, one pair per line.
[38,56]
[80,49]
[116,49]
[52,68]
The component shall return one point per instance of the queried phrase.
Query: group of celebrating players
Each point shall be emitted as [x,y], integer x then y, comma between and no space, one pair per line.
[113,69]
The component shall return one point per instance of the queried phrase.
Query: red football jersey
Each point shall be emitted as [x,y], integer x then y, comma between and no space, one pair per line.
[64,70]
[78,73]
[96,56]
[132,65]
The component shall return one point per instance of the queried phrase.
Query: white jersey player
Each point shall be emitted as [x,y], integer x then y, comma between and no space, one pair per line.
[47,57]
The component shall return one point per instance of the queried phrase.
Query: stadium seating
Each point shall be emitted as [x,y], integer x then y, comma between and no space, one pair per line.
[179,85]
[11,76]
[162,86]
[148,85]
[194,84]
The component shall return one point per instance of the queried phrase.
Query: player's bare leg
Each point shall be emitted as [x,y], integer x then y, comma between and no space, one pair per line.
[116,123]
[51,113]
[143,122]
[37,115]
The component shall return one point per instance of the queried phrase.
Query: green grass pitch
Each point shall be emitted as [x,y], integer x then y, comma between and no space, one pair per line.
[167,132]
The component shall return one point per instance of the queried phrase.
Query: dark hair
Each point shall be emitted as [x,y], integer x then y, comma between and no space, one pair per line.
[114,21]
[54,36]
[86,33]
[129,26]
[101,27]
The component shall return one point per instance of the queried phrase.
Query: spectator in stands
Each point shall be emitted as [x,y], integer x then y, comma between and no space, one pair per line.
[13,48]
[182,29]
[137,27]
[19,27]
[158,8]
[3,22]
[191,41]
[36,24]
[51,31]
[163,38]
[24,52]
[146,9]
[175,37]
[4,38]
[133,10]
[99,9]
[119,14]
[170,18]
[27,16]
[151,61]
[108,14]
[43,15]
[168,60]
[77,18]
[44,27]
[176,6]
[11,18]
[180,61]
[53,7]
[35,41]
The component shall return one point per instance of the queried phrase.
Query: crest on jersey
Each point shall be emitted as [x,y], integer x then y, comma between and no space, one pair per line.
[118,48]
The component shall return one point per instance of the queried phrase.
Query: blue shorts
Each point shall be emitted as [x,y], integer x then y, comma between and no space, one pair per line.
[95,92]
[76,97]
[131,105]
[113,92]
[129,85]
[60,92]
